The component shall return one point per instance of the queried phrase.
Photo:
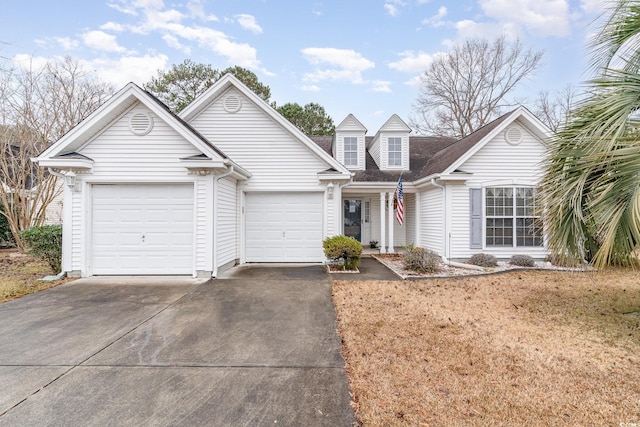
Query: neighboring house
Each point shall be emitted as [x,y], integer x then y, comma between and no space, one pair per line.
[231,181]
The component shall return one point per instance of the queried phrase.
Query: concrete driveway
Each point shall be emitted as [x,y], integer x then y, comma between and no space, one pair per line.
[257,348]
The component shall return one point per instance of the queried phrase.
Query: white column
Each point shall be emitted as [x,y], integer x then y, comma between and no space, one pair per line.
[67,226]
[383,250]
[390,206]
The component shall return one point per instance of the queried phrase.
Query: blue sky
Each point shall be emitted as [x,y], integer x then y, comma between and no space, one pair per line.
[360,57]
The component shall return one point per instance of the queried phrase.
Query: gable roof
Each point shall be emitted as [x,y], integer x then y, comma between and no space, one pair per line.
[118,104]
[352,123]
[449,159]
[229,80]
[431,155]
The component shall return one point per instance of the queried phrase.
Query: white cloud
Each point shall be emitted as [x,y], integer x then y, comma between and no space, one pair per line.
[391,9]
[594,6]
[393,6]
[67,43]
[112,26]
[310,88]
[415,81]
[248,22]
[175,43]
[346,59]
[119,72]
[100,40]
[381,86]
[196,10]
[412,62]
[436,20]
[30,62]
[539,17]
[471,29]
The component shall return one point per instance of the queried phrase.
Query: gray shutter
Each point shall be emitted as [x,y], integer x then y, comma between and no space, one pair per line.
[475,214]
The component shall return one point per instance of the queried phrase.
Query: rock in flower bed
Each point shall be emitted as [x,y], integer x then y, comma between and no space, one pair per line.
[395,263]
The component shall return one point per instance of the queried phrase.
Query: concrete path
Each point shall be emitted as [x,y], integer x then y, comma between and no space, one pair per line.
[257,348]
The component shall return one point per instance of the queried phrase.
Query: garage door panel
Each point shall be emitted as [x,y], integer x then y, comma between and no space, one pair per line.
[142,229]
[284,227]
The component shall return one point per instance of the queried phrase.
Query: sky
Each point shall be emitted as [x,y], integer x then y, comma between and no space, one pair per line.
[351,56]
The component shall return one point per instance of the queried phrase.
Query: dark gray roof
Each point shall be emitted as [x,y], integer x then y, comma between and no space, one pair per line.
[421,149]
[441,160]
[428,155]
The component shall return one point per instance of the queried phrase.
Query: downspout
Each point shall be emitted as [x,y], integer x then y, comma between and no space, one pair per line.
[229,171]
[444,218]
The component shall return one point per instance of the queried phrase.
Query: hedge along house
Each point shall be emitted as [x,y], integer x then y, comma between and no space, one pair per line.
[231,181]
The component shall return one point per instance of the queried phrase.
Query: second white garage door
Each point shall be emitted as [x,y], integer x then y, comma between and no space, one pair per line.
[284,227]
[142,229]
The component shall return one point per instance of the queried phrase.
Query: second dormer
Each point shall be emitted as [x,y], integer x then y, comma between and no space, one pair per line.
[349,143]
[390,147]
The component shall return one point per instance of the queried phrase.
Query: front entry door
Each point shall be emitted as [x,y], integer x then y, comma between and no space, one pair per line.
[353,218]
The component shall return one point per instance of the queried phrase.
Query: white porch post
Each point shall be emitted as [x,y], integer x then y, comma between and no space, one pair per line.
[390,249]
[382,231]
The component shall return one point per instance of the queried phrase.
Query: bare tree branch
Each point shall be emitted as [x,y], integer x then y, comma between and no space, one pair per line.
[467,87]
[36,108]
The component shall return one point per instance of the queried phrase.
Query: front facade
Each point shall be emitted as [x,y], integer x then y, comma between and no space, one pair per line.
[231,181]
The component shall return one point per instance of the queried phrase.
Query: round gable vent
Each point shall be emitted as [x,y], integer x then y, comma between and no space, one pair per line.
[232,103]
[513,135]
[140,124]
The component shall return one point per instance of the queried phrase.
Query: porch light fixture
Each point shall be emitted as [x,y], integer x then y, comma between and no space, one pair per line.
[70,179]
[330,191]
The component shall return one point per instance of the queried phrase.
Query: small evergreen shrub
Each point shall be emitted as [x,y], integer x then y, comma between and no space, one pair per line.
[522,261]
[421,260]
[343,248]
[45,242]
[483,260]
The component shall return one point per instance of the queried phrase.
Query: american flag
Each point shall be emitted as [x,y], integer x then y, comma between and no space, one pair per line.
[400,202]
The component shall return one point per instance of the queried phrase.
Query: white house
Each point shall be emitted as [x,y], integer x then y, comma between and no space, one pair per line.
[231,181]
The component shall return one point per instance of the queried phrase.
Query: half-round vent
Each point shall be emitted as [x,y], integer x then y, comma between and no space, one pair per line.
[232,103]
[140,124]
[513,135]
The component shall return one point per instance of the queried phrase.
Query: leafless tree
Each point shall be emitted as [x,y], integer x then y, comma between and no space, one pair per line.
[38,106]
[466,88]
[553,108]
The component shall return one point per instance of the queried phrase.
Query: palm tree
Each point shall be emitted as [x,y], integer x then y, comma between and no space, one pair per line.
[591,187]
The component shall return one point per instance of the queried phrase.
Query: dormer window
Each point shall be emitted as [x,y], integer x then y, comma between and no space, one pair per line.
[394,151]
[350,151]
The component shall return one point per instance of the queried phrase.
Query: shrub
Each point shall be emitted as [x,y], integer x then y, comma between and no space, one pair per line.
[522,261]
[6,238]
[45,242]
[343,248]
[421,260]
[483,260]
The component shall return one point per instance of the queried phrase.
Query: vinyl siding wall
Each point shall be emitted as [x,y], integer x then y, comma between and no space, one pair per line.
[122,157]
[496,164]
[432,220]
[227,222]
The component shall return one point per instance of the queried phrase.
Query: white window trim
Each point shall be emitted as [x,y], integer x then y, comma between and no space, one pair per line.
[514,216]
[344,150]
[388,153]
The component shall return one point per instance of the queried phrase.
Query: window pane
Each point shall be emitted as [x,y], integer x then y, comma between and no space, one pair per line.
[499,232]
[394,150]
[528,232]
[350,151]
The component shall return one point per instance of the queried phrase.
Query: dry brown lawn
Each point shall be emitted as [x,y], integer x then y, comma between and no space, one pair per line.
[520,348]
[19,274]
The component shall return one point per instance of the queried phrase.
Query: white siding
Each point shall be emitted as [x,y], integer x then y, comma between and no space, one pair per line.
[119,154]
[203,218]
[77,238]
[275,158]
[374,150]
[122,157]
[496,164]
[432,220]
[409,218]
[53,212]
[227,221]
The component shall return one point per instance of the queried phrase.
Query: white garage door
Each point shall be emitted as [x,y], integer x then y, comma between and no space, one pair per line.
[142,229]
[284,227]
